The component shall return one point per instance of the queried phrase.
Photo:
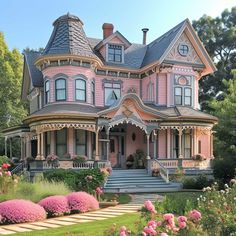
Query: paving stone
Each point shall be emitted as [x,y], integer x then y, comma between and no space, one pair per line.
[111,213]
[120,210]
[70,219]
[6,232]
[58,222]
[44,224]
[31,226]
[100,215]
[82,217]
[16,228]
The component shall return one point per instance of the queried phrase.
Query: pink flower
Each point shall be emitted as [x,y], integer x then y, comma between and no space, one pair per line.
[89,178]
[5,166]
[182,219]
[8,173]
[168,216]
[55,205]
[20,211]
[144,234]
[182,224]
[164,234]
[98,190]
[149,231]
[195,215]
[159,223]
[149,206]
[109,169]
[152,223]
[82,202]
[122,233]
[122,228]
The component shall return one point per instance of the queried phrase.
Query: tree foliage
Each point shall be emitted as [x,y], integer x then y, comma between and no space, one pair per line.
[225,110]
[219,37]
[11,65]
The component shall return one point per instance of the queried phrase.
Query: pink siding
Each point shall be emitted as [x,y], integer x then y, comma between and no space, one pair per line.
[196,93]
[162,144]
[116,40]
[162,96]
[103,51]
[205,145]
[132,146]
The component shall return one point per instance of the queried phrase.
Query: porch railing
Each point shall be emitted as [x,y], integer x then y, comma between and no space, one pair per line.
[68,164]
[164,172]
[19,168]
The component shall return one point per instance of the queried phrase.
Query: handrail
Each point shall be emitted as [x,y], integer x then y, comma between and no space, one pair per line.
[164,172]
[18,168]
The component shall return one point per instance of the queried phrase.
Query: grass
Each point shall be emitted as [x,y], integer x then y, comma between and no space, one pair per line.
[122,198]
[188,195]
[36,191]
[88,229]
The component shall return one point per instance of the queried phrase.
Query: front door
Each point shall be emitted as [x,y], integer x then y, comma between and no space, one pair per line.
[114,151]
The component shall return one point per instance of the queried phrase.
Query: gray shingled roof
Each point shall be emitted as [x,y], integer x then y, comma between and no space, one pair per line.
[36,75]
[68,37]
[68,108]
[182,112]
[157,47]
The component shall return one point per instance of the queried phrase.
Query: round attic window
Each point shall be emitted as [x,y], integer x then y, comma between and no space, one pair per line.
[183,49]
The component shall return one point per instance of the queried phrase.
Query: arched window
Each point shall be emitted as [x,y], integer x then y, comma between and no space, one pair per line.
[47,92]
[80,90]
[60,89]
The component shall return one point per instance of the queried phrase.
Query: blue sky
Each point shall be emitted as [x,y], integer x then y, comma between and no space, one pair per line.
[28,23]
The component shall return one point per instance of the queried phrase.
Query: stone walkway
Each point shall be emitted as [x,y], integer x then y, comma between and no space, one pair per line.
[101,214]
[141,198]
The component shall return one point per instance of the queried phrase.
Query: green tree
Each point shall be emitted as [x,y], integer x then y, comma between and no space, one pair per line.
[219,37]
[12,109]
[225,110]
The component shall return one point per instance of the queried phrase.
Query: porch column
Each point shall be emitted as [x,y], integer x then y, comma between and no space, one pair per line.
[168,133]
[148,151]
[89,146]
[155,144]
[107,132]
[28,146]
[22,144]
[5,146]
[52,142]
[96,145]
[38,157]
[212,142]
[10,148]
[42,146]
[180,142]
[192,142]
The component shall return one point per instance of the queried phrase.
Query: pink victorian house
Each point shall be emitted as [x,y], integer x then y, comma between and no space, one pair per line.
[106,98]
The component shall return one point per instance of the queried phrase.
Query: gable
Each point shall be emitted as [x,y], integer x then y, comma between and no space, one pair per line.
[192,56]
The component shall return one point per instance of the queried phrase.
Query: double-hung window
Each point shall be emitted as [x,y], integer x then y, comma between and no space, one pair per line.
[47,92]
[80,90]
[183,96]
[60,86]
[61,142]
[93,92]
[112,92]
[114,53]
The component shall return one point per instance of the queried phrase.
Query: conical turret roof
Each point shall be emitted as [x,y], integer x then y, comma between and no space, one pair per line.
[68,37]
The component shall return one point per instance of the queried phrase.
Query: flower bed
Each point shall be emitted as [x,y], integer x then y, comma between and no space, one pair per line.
[55,205]
[82,202]
[20,211]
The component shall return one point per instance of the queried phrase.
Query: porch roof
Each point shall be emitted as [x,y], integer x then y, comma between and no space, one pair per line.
[15,131]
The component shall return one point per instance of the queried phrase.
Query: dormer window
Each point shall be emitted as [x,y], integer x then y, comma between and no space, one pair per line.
[115,53]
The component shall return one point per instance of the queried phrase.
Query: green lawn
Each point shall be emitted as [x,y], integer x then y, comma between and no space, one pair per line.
[87,229]
[188,195]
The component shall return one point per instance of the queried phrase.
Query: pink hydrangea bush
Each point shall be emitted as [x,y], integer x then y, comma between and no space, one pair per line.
[82,202]
[20,211]
[55,205]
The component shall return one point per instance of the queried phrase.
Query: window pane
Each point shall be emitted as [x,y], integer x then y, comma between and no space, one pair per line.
[80,142]
[61,142]
[178,91]
[80,95]
[61,94]
[118,58]
[187,101]
[60,84]
[80,84]
[92,87]
[47,86]
[108,85]
[187,92]
[178,100]
[116,85]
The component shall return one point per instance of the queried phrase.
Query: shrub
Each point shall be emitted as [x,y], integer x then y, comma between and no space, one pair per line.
[20,211]
[55,205]
[84,180]
[200,182]
[224,169]
[82,202]
[4,159]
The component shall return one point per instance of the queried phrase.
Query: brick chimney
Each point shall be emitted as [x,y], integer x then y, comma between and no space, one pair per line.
[107,30]
[145,30]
